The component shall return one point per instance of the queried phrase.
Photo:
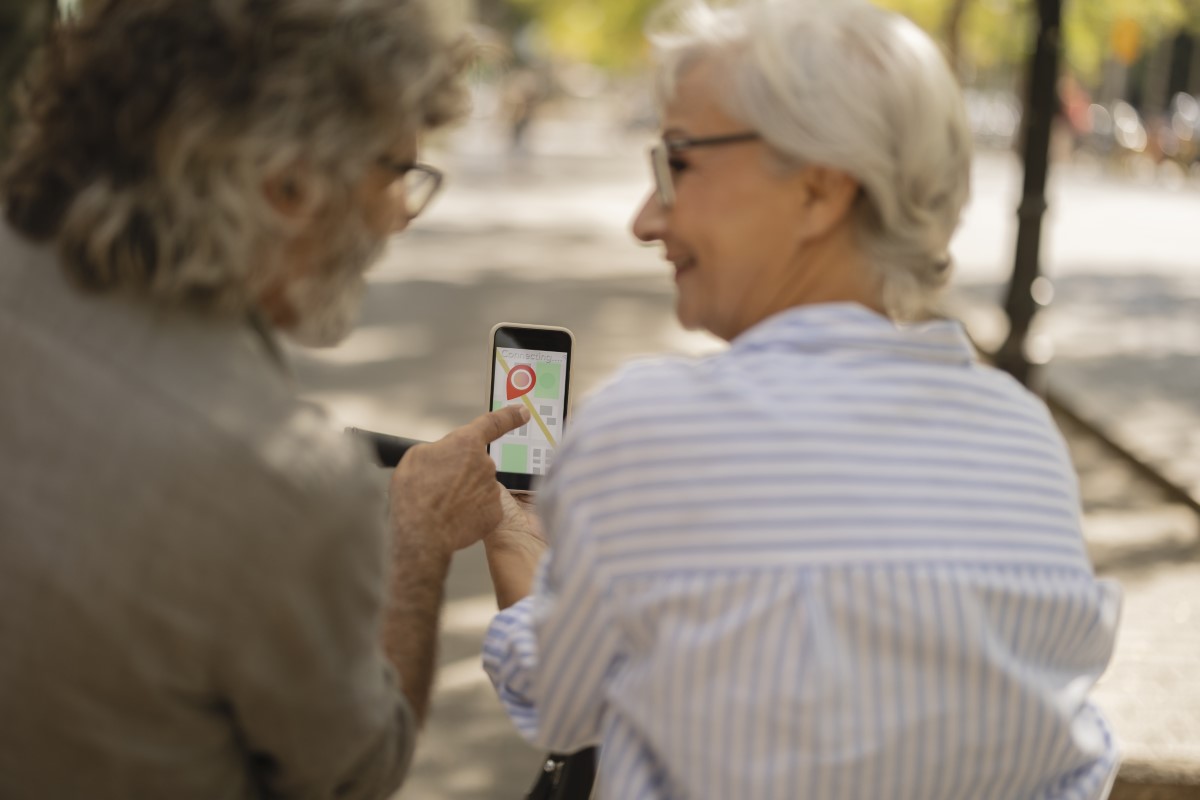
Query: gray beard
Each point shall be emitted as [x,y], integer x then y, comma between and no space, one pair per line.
[327,303]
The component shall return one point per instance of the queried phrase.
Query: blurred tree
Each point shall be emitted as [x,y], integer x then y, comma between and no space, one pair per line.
[1096,30]
[952,30]
[943,17]
[979,35]
[504,16]
[608,33]
[23,26]
[989,34]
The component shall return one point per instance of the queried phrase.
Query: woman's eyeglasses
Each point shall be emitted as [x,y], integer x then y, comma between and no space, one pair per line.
[661,155]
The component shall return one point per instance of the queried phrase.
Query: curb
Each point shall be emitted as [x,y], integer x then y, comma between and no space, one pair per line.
[1161,780]
[1136,779]
[1174,491]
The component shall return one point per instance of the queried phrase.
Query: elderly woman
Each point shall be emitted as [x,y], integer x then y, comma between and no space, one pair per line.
[841,558]
[192,561]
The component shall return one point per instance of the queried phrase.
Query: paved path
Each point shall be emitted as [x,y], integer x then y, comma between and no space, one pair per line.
[544,239]
[1149,692]
[1123,330]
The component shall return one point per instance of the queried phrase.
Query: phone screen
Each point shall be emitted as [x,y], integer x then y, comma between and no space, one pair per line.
[529,366]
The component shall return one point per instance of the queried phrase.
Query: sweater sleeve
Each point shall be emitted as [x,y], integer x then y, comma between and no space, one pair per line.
[303,669]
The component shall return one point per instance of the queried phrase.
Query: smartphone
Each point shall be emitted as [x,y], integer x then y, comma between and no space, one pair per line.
[531,365]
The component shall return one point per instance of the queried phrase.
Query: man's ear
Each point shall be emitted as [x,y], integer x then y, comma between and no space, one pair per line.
[827,198]
[285,192]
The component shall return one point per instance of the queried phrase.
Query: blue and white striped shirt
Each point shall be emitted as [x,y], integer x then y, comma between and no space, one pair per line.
[841,559]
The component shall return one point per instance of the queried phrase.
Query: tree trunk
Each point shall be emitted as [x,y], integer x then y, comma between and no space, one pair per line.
[952,33]
[1193,85]
[23,26]
[1040,106]
[1156,84]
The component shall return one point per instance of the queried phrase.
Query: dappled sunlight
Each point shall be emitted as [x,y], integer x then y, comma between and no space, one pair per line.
[1162,329]
[468,615]
[463,675]
[478,252]
[469,749]
[1093,224]
[369,345]
[433,376]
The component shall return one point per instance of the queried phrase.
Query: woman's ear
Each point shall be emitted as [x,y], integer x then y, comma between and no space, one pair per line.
[827,198]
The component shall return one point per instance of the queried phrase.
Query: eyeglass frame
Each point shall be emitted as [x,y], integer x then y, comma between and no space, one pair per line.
[401,169]
[660,159]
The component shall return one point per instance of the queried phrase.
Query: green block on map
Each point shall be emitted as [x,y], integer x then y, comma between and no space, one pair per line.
[549,379]
[514,458]
[497,405]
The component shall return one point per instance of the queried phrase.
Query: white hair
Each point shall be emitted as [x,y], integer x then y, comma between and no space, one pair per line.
[851,86]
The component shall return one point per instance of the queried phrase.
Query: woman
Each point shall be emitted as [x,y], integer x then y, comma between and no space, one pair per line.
[841,558]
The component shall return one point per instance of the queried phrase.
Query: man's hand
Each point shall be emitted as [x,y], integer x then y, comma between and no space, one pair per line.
[445,494]
[444,497]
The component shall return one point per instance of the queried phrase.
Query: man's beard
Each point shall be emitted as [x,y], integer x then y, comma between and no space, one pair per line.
[326,301]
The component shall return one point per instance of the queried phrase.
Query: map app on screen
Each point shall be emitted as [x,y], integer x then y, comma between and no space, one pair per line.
[537,380]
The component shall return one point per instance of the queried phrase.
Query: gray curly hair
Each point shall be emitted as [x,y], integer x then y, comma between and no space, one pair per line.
[848,85]
[152,125]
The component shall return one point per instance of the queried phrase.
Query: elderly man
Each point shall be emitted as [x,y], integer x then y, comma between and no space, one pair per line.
[196,593]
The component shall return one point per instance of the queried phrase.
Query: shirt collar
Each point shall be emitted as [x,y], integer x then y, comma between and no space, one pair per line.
[850,326]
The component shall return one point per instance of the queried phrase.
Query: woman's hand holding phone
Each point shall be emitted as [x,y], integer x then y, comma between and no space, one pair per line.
[515,548]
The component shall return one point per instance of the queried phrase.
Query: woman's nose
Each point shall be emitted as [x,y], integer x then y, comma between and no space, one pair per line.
[647,225]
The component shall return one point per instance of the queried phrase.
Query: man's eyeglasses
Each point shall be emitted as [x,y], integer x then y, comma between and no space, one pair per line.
[418,183]
[661,159]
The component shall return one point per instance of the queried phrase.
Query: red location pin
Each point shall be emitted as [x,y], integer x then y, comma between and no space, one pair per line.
[521,379]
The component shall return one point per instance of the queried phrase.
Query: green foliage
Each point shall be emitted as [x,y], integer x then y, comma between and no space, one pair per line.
[1089,26]
[603,32]
[929,14]
[998,33]
[993,35]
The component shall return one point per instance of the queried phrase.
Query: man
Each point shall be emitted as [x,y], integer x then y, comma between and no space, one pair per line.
[194,570]
[23,23]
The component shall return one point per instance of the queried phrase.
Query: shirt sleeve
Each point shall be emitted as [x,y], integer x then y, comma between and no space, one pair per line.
[316,703]
[550,655]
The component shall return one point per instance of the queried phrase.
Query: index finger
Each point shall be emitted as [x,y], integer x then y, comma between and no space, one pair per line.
[491,426]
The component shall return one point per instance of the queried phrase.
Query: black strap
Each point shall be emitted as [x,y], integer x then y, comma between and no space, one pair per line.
[566,777]
[388,449]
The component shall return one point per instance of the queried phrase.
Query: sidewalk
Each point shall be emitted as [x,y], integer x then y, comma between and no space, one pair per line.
[1122,332]
[544,239]
[1150,692]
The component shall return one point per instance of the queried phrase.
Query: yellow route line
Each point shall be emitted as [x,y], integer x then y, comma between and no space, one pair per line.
[525,399]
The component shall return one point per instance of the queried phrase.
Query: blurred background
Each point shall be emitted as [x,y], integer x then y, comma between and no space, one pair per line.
[532,226]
